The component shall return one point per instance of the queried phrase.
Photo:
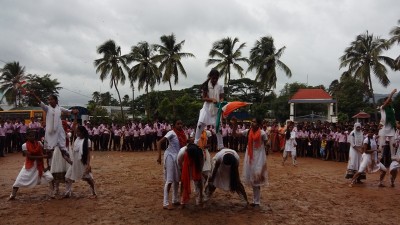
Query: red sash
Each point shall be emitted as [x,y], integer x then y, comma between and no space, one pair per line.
[35,149]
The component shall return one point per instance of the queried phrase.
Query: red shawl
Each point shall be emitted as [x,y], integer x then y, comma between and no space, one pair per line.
[181,137]
[254,136]
[188,169]
[35,149]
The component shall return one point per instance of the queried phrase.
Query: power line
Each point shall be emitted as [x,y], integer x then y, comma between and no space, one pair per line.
[77,93]
[3,61]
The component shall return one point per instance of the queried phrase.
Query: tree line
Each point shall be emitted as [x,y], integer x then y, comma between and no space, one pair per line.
[156,63]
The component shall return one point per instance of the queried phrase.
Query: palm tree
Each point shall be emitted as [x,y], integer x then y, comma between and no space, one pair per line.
[45,84]
[12,75]
[113,64]
[125,100]
[264,58]
[96,97]
[146,71]
[364,55]
[395,32]
[223,54]
[170,56]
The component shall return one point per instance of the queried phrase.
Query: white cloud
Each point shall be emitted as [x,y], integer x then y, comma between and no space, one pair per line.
[61,37]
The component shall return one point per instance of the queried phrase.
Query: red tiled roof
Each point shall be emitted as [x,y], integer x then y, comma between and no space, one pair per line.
[303,94]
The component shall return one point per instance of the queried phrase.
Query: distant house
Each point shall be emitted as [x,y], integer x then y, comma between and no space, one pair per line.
[314,96]
[111,110]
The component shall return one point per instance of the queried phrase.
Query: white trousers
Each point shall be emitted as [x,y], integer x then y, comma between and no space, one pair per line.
[175,196]
[256,194]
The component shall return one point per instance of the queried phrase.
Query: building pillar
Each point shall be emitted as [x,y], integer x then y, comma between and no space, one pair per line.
[291,114]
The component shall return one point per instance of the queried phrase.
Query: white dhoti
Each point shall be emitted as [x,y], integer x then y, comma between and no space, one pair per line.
[58,165]
[30,177]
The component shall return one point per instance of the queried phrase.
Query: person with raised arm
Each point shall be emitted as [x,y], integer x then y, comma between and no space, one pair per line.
[54,139]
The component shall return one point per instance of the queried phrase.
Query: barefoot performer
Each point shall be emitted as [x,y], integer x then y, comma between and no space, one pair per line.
[368,163]
[212,93]
[190,161]
[33,172]
[225,174]
[176,139]
[80,168]
[54,138]
[255,160]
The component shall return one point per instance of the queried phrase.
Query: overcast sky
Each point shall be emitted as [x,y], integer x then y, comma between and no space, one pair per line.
[60,37]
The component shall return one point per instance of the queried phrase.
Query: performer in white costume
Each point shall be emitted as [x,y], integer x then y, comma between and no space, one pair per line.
[33,172]
[176,139]
[355,138]
[290,145]
[255,160]
[212,93]
[225,174]
[190,162]
[388,120]
[55,140]
[395,164]
[80,168]
[368,163]
[203,145]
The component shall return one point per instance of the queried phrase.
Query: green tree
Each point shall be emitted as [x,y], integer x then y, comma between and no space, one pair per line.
[350,95]
[265,59]
[43,87]
[12,74]
[170,56]
[125,100]
[146,71]
[224,54]
[96,110]
[245,90]
[363,56]
[395,33]
[112,64]
[96,97]
[396,106]
[105,99]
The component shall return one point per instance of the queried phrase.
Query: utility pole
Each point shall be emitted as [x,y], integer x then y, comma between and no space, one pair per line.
[133,98]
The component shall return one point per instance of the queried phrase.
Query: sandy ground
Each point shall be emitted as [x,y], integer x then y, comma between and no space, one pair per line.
[130,191]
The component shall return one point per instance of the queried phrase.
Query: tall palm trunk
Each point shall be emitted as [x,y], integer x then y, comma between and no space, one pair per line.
[170,86]
[147,102]
[373,97]
[227,88]
[264,92]
[172,99]
[16,102]
[120,102]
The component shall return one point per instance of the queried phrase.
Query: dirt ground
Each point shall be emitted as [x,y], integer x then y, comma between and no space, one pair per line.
[130,191]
